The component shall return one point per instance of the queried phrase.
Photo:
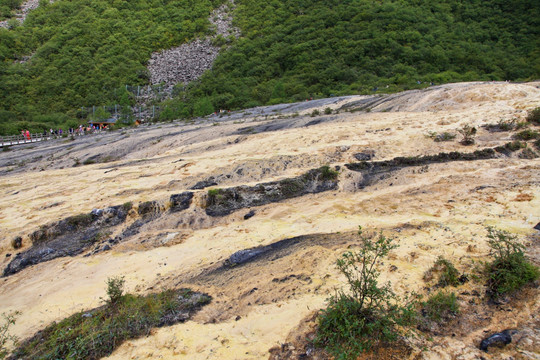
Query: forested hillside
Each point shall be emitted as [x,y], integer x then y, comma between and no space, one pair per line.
[83,52]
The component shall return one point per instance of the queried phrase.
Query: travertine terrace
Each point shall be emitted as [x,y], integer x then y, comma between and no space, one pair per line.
[432,210]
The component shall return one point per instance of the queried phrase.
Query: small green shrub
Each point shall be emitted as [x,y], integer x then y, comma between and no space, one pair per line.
[213,192]
[327,111]
[115,289]
[527,135]
[328,173]
[441,306]
[534,116]
[515,145]
[510,270]
[127,205]
[468,132]
[448,275]
[5,337]
[315,112]
[367,314]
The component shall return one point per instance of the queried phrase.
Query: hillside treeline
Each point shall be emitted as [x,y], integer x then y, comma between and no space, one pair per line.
[83,52]
[76,53]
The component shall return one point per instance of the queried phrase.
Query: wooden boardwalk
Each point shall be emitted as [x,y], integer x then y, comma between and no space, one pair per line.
[21,140]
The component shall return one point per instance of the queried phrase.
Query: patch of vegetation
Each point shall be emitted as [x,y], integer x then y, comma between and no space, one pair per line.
[214,192]
[89,162]
[534,116]
[328,111]
[447,273]
[527,135]
[468,133]
[509,270]
[115,289]
[127,205]
[440,307]
[502,125]
[97,333]
[5,337]
[328,173]
[528,153]
[315,112]
[511,147]
[367,314]
[79,220]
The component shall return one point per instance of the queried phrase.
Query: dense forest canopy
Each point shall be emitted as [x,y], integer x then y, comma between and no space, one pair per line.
[84,52]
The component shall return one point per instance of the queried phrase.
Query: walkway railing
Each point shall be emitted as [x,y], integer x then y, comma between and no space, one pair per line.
[20,139]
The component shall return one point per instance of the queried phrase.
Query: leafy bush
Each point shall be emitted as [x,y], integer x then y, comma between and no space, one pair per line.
[448,274]
[315,112]
[327,111]
[5,336]
[115,288]
[368,314]
[534,116]
[468,132]
[441,306]
[510,270]
[527,135]
[96,333]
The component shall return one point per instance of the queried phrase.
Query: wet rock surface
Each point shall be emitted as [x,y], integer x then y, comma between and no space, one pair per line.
[498,340]
[68,237]
[181,201]
[224,201]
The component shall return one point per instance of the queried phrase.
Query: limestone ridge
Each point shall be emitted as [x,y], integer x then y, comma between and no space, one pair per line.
[187,62]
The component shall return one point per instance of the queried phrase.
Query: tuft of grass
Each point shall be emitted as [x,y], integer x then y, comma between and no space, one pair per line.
[80,220]
[440,307]
[328,173]
[214,192]
[97,333]
[534,116]
[509,270]
[448,275]
[327,111]
[315,112]
[127,205]
[368,314]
